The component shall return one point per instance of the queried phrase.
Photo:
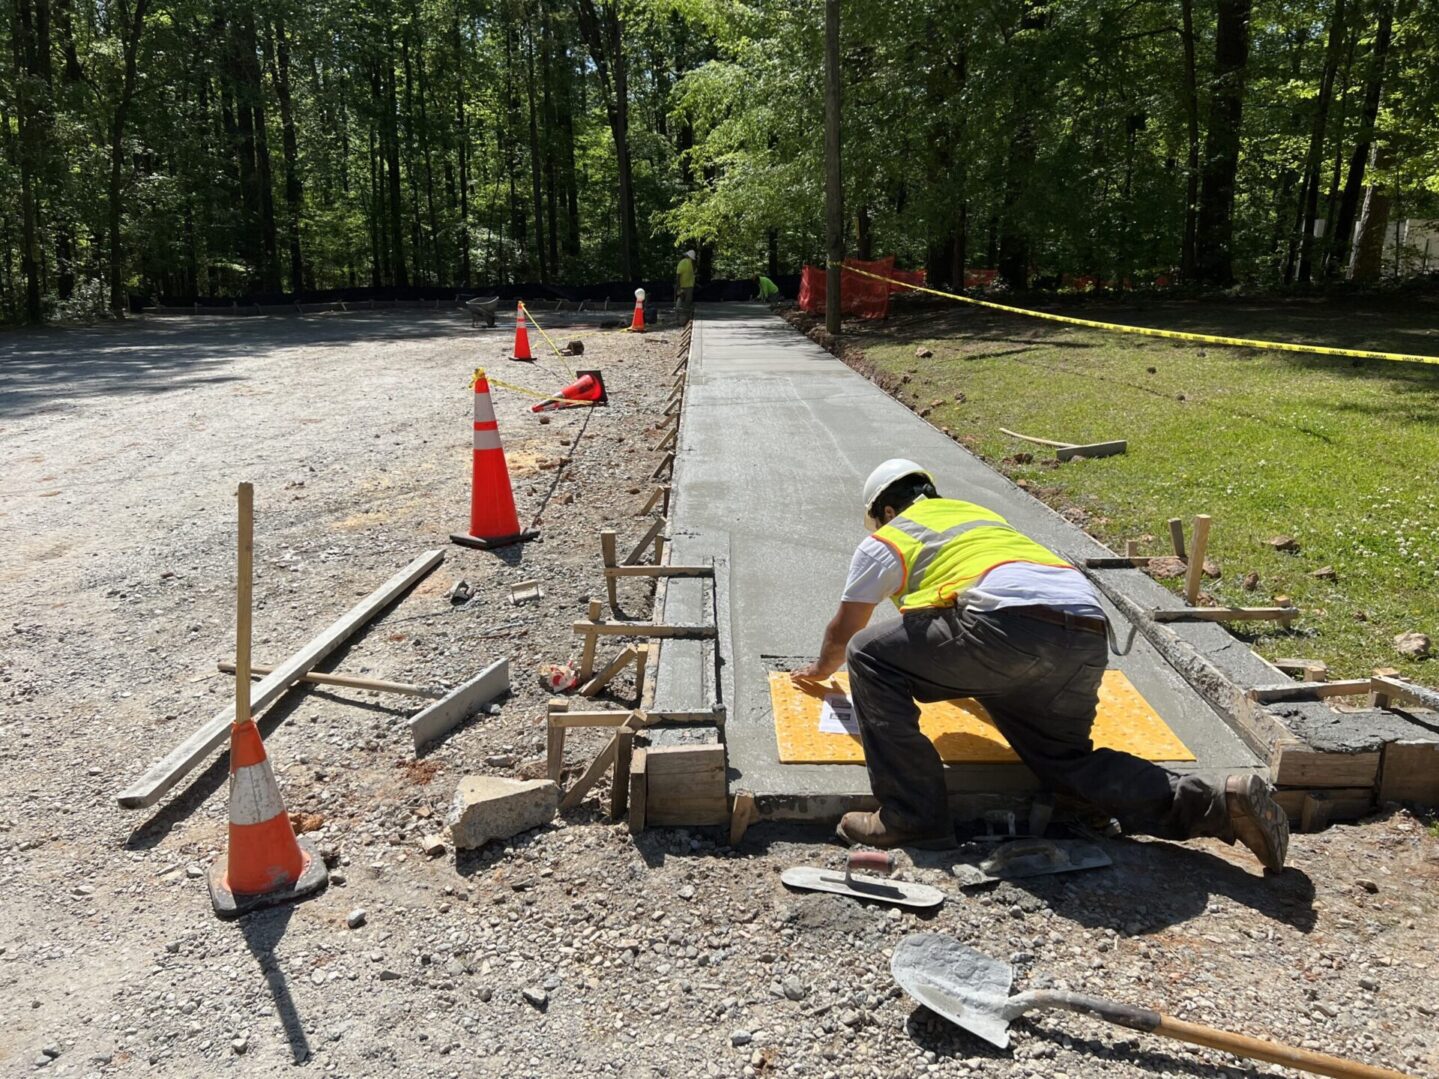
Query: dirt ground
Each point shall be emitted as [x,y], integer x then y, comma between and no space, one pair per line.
[575,950]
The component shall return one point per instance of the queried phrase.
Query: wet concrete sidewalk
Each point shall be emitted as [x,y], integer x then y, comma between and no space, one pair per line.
[776,441]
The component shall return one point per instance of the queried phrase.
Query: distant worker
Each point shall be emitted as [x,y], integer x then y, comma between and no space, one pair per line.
[988,613]
[685,287]
[768,290]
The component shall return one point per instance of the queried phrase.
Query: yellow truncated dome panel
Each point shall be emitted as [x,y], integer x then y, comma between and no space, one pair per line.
[961,730]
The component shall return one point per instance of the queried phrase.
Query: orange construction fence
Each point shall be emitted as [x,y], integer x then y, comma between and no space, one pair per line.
[859,297]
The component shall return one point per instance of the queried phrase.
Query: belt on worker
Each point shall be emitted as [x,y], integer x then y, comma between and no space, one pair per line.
[1062,618]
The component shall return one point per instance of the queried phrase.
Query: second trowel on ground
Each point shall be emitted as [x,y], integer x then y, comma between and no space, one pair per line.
[1031,858]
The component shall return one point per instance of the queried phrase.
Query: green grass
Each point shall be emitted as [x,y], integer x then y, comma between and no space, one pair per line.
[1344,457]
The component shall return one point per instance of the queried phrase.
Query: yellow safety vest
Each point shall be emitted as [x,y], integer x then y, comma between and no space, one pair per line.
[946,546]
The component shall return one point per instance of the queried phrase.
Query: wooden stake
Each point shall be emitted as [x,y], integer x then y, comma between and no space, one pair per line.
[665,467]
[741,816]
[688,632]
[244,589]
[667,442]
[587,654]
[606,676]
[661,491]
[555,739]
[348,681]
[1226,614]
[620,786]
[637,791]
[649,537]
[607,552]
[642,658]
[1176,535]
[598,767]
[659,551]
[1131,548]
[1196,560]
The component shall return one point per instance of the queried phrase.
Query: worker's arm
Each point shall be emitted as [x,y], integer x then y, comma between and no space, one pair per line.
[848,620]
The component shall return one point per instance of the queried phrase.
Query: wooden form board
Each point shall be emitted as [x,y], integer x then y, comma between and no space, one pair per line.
[1409,772]
[175,765]
[961,730]
[685,786]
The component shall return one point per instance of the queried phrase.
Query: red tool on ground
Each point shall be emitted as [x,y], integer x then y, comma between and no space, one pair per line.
[588,389]
[522,336]
[493,521]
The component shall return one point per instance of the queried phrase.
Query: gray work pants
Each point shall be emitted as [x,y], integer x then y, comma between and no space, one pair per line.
[1040,683]
[685,304]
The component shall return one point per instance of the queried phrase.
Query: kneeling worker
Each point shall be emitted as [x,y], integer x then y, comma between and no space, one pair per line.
[988,613]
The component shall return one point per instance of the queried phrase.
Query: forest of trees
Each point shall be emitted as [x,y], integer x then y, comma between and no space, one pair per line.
[184,148]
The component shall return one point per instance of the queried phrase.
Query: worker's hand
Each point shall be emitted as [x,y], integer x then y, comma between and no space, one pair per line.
[810,672]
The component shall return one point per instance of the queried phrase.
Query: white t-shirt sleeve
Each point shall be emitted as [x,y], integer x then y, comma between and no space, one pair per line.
[875,573]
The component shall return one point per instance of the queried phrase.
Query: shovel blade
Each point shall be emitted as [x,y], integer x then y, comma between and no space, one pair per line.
[965,986]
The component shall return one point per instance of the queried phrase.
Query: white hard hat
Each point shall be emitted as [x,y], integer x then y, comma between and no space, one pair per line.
[896,468]
[640,295]
[690,253]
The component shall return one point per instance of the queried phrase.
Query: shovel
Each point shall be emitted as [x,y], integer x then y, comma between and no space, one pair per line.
[972,990]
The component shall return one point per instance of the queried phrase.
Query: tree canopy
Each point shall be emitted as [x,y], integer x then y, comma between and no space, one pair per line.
[187,148]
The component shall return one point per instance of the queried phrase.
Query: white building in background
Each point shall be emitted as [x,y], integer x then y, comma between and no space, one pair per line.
[1411,245]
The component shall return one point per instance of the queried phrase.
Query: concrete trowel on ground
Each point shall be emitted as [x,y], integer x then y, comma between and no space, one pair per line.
[857,886]
[971,990]
[1031,858]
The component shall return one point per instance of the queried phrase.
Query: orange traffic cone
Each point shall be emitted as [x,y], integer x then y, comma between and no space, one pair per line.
[637,323]
[522,336]
[493,521]
[589,389]
[266,864]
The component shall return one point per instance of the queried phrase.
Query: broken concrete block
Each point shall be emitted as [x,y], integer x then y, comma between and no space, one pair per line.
[490,807]
[433,845]
[1284,543]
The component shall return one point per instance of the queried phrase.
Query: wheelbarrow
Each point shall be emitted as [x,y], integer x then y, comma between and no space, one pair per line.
[971,990]
[480,308]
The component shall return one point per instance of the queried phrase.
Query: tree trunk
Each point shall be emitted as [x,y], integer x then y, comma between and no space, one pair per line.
[437,258]
[132,26]
[1314,161]
[1341,236]
[294,190]
[462,123]
[28,153]
[863,235]
[833,171]
[1190,85]
[1367,266]
[772,252]
[603,31]
[536,162]
[1214,255]
[400,275]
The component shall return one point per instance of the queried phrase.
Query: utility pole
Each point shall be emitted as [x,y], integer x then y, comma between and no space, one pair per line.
[833,176]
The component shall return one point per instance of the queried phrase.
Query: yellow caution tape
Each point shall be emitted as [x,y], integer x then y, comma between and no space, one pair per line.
[1147,331]
[528,392]
[546,336]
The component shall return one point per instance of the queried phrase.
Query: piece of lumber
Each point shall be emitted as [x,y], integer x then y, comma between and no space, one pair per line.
[649,537]
[638,791]
[1314,811]
[555,738]
[1396,687]
[587,650]
[668,441]
[1176,536]
[1226,614]
[741,816]
[665,467]
[609,557]
[244,588]
[1131,549]
[684,362]
[348,681]
[646,629]
[620,784]
[1302,766]
[1409,772]
[1118,562]
[1094,449]
[660,571]
[1036,441]
[685,786]
[606,676]
[1306,670]
[1195,575]
[661,491]
[1308,691]
[598,767]
[616,717]
[169,770]
[642,658]
[460,703]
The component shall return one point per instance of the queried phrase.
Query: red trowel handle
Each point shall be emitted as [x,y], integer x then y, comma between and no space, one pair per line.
[874,861]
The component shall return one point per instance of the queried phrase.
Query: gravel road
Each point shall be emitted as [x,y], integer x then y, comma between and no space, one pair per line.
[576,950]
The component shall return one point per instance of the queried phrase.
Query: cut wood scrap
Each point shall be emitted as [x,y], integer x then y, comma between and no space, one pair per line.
[348,681]
[645,629]
[1194,575]
[1226,614]
[460,703]
[1067,451]
[1309,691]
[608,675]
[524,591]
[638,791]
[742,815]
[648,538]
[169,770]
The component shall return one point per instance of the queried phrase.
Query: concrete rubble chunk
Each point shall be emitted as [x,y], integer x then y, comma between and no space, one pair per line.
[491,807]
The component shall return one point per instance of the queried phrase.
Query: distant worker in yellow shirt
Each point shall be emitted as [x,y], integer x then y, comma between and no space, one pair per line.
[768,290]
[685,287]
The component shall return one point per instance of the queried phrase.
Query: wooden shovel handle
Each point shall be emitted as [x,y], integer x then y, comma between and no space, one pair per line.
[1152,1022]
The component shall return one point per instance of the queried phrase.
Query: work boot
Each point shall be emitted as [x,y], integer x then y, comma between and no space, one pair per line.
[1257,820]
[866,829]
